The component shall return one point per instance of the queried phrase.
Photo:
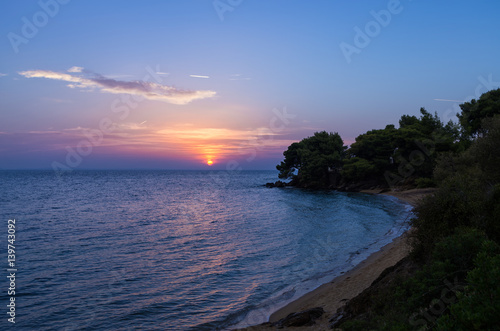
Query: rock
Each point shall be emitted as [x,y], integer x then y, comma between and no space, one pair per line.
[279,183]
[334,321]
[303,318]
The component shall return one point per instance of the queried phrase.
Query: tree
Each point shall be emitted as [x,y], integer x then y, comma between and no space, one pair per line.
[469,191]
[314,159]
[371,155]
[421,140]
[475,111]
[400,155]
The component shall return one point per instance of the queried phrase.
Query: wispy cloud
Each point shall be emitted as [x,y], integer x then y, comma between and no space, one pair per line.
[2,74]
[79,77]
[56,100]
[119,76]
[199,76]
[448,100]
[75,69]
[238,77]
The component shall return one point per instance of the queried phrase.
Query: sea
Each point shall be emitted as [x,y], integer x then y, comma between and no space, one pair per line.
[175,250]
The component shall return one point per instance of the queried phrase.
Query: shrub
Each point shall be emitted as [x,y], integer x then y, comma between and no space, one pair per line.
[458,203]
[478,306]
[424,182]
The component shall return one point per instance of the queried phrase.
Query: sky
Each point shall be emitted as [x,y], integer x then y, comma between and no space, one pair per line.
[227,84]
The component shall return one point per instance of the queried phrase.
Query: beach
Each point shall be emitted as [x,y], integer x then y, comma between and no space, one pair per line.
[334,294]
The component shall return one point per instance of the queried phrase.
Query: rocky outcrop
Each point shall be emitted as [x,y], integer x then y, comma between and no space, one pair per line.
[303,318]
[333,182]
[278,183]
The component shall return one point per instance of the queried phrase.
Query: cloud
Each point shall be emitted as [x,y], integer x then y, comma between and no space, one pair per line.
[448,100]
[149,90]
[238,77]
[119,76]
[75,69]
[199,76]
[56,100]
[135,141]
[2,74]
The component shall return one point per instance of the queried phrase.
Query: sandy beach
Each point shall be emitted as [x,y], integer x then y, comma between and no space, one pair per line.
[333,295]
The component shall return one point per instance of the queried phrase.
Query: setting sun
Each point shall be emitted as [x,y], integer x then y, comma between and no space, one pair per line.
[210,162]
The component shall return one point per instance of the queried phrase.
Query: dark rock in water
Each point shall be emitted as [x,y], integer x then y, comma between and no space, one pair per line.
[303,318]
[279,183]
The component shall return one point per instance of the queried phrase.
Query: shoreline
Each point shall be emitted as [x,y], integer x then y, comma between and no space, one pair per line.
[334,294]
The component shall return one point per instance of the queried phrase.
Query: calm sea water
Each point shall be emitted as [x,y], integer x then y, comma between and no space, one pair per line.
[177,250]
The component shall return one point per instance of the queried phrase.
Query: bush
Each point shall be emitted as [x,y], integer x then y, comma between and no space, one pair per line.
[478,306]
[455,239]
[423,298]
[444,273]
[424,182]
[458,203]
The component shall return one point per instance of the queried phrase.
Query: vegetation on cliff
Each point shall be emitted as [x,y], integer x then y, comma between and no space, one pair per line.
[450,280]
[385,157]
[455,258]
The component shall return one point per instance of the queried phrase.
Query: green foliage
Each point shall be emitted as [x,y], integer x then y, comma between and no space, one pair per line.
[478,306]
[485,151]
[421,140]
[398,155]
[357,168]
[423,299]
[458,202]
[291,162]
[314,158]
[456,231]
[424,182]
[370,155]
[475,111]
[405,154]
[468,195]
[434,288]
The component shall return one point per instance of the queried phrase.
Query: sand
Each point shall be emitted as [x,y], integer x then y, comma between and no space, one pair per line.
[412,196]
[333,295]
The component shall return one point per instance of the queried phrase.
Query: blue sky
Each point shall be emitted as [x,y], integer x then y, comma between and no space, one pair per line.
[234,82]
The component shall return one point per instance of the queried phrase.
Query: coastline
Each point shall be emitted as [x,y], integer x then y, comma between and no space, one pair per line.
[334,294]
[412,197]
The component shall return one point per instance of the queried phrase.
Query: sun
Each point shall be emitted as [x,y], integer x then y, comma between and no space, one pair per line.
[210,162]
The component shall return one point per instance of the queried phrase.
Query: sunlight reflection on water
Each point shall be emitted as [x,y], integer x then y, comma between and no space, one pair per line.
[173,250]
